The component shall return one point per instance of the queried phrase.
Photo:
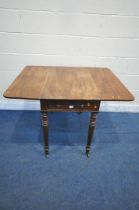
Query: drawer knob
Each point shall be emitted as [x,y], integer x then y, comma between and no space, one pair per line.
[71,106]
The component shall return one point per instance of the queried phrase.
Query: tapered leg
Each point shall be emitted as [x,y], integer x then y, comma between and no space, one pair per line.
[45,131]
[90,132]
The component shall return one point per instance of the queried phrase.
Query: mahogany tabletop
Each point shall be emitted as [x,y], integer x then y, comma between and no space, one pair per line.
[68,83]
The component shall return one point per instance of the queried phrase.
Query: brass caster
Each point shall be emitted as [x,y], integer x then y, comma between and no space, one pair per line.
[46,152]
[47,155]
[87,154]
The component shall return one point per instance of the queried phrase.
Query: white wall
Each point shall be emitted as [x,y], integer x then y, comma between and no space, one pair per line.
[70,33]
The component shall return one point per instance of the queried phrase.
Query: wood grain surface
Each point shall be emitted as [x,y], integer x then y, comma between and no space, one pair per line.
[68,83]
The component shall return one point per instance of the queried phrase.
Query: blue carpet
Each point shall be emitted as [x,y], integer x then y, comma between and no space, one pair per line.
[68,180]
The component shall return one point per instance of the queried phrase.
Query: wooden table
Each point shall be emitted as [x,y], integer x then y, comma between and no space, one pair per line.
[66,89]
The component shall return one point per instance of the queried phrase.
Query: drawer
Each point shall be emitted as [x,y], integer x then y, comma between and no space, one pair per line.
[77,106]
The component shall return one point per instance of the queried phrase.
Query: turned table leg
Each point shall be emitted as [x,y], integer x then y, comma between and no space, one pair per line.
[47,106]
[91,132]
[45,131]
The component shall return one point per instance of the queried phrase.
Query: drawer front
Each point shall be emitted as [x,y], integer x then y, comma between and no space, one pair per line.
[77,106]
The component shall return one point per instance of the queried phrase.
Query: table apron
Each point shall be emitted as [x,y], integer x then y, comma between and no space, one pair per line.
[69,106]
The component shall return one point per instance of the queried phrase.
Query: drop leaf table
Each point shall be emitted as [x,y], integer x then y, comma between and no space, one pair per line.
[68,89]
